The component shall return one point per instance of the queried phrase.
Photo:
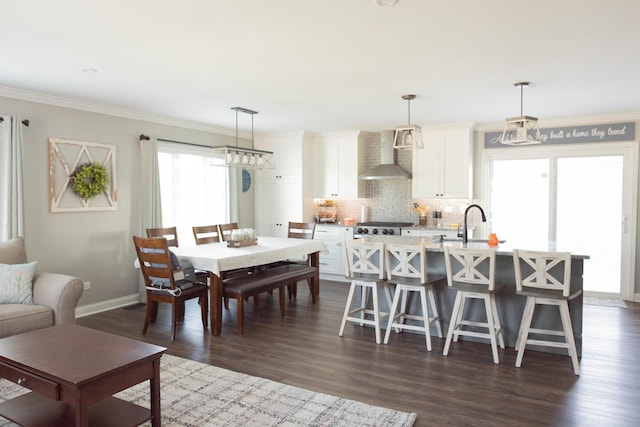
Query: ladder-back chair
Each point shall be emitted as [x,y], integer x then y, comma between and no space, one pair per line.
[165,285]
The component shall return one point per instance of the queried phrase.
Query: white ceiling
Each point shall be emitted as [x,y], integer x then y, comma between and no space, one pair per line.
[328,65]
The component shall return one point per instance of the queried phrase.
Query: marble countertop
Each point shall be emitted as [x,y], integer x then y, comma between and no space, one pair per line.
[502,249]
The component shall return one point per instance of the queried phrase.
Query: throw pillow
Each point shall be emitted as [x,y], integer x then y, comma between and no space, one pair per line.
[12,252]
[15,283]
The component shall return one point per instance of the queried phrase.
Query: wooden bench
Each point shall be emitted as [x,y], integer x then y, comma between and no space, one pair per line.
[255,283]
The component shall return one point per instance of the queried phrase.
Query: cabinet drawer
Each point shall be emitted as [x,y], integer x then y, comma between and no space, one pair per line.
[33,382]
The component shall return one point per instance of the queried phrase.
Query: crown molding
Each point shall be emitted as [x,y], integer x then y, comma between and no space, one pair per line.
[59,101]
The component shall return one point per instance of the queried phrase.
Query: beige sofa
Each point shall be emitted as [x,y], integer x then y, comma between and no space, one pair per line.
[55,296]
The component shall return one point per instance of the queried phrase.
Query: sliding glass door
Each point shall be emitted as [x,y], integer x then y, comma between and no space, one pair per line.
[580,198]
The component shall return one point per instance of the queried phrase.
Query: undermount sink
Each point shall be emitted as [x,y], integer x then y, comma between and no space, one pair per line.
[459,239]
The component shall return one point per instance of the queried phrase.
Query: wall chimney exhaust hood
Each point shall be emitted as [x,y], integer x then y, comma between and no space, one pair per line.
[387,169]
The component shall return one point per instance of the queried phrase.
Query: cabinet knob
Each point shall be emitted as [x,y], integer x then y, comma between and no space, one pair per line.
[22,381]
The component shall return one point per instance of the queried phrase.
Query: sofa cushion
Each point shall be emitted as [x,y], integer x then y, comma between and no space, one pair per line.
[16,283]
[13,252]
[19,318]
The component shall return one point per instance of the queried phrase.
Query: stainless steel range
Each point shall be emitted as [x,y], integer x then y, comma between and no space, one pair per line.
[379,228]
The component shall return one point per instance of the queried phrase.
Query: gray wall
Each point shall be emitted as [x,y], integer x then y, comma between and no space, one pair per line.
[94,246]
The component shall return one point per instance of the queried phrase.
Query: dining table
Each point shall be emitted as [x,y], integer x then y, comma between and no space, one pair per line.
[218,258]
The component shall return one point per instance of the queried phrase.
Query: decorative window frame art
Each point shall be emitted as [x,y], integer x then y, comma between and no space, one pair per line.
[65,158]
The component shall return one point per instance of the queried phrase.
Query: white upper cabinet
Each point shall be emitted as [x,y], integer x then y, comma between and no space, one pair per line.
[444,168]
[284,194]
[289,155]
[338,160]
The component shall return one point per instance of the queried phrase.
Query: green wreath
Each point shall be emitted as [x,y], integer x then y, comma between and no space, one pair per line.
[89,180]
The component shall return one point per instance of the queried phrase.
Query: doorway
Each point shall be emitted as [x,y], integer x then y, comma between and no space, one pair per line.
[580,198]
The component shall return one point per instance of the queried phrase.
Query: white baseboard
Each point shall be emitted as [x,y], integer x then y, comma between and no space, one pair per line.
[99,307]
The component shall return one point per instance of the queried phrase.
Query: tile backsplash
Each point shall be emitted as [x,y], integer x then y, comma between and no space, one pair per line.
[390,200]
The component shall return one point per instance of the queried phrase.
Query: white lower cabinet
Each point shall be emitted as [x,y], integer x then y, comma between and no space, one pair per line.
[333,236]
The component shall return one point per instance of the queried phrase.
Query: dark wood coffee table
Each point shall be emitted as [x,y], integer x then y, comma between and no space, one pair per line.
[73,372]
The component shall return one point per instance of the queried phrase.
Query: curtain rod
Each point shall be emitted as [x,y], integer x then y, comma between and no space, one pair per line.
[24,122]
[146,138]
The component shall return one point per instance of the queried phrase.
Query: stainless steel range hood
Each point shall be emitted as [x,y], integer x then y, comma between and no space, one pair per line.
[387,169]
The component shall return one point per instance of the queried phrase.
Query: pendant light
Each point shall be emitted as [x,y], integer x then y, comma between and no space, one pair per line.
[239,157]
[408,137]
[521,130]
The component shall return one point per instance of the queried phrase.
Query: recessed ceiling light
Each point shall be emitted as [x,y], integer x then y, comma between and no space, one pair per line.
[89,70]
[387,3]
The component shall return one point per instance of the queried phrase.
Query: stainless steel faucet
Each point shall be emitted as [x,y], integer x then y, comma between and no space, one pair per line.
[464,231]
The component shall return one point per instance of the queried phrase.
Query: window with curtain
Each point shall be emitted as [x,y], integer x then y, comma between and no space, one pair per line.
[192,191]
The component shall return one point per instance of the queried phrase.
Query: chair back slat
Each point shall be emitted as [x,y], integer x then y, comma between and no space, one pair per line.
[542,270]
[169,233]
[471,266]
[206,234]
[225,230]
[408,261]
[365,258]
[301,230]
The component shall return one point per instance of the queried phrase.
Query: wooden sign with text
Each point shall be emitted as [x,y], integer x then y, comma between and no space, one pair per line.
[608,132]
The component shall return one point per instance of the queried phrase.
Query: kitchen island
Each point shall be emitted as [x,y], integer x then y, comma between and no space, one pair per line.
[510,305]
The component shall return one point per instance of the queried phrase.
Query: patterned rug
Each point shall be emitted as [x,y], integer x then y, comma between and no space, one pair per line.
[195,394]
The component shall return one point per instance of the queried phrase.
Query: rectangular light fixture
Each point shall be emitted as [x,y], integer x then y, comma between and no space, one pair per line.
[248,158]
[240,157]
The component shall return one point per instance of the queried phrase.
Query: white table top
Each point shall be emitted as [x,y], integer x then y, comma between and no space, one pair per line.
[217,257]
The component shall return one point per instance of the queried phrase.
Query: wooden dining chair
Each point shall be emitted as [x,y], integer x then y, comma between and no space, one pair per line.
[225,230]
[300,230]
[165,285]
[169,233]
[206,234]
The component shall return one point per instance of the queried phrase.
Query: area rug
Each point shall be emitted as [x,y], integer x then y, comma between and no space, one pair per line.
[195,394]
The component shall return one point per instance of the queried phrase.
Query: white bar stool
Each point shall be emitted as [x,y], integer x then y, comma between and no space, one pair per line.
[407,269]
[545,279]
[365,268]
[472,273]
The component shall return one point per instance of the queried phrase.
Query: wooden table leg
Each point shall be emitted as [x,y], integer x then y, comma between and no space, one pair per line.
[315,262]
[215,303]
[154,386]
[81,411]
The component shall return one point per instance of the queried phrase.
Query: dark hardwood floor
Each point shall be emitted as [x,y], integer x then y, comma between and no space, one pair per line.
[463,388]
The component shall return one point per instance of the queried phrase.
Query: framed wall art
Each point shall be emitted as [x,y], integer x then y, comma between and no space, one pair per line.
[82,176]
